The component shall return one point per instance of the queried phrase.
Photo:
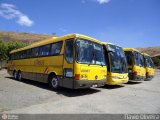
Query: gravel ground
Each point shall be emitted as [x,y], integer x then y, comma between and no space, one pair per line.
[34,97]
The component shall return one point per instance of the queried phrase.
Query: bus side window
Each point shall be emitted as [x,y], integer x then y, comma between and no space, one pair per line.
[35,52]
[56,48]
[142,61]
[24,54]
[21,54]
[17,55]
[12,56]
[69,51]
[28,53]
[44,50]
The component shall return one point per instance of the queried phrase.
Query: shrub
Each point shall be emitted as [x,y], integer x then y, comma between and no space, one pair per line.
[7,47]
[156,61]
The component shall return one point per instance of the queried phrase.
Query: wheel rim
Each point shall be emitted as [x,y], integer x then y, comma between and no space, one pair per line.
[19,76]
[54,82]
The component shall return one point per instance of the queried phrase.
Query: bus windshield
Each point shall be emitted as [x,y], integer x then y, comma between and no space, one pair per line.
[149,62]
[88,52]
[118,59]
[138,59]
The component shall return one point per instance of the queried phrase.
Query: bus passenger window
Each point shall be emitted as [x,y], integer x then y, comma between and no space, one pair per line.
[44,50]
[56,48]
[35,52]
[69,51]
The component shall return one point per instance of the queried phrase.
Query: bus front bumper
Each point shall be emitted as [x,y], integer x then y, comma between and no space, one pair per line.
[149,77]
[116,81]
[136,77]
[88,83]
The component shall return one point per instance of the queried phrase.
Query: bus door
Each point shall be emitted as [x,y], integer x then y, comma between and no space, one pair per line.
[68,69]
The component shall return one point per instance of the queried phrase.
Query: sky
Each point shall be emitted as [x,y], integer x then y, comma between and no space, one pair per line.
[128,23]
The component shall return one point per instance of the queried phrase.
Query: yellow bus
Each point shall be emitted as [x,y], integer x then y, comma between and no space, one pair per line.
[117,71]
[136,69]
[72,61]
[149,66]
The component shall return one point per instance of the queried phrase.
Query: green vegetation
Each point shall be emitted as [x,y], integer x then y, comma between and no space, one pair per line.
[14,40]
[6,47]
[156,61]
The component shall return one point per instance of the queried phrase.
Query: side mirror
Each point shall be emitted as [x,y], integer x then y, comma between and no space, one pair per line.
[110,51]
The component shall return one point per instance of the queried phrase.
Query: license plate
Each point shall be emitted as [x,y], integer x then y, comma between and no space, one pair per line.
[94,85]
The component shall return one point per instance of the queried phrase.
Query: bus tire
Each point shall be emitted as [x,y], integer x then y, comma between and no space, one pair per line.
[15,75]
[54,82]
[19,76]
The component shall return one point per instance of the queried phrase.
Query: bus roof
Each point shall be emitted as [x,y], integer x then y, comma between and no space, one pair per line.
[145,54]
[107,43]
[131,49]
[55,39]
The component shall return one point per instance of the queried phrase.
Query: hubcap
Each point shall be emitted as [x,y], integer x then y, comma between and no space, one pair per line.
[54,82]
[19,77]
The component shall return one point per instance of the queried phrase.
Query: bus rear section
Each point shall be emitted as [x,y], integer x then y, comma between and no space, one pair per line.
[136,69]
[149,66]
[117,71]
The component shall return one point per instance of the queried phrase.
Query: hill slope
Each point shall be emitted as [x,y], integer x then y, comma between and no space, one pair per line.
[150,50]
[31,38]
[23,37]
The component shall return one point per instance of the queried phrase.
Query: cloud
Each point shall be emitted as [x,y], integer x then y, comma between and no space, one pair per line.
[9,11]
[98,1]
[102,1]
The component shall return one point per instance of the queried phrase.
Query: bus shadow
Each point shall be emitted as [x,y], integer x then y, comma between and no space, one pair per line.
[31,82]
[76,92]
[62,91]
[133,82]
[148,80]
[112,86]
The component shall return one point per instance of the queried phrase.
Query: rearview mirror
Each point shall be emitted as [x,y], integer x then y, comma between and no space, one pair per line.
[110,51]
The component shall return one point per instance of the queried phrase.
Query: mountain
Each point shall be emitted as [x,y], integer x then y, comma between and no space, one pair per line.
[23,37]
[31,38]
[150,50]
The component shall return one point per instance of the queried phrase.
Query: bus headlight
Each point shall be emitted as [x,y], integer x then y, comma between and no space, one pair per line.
[105,77]
[83,76]
[116,77]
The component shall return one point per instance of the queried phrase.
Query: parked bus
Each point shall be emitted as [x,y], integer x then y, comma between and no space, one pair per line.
[72,61]
[149,66]
[117,71]
[136,69]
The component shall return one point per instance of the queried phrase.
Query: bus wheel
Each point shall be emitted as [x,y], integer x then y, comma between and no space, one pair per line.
[15,75]
[19,76]
[53,82]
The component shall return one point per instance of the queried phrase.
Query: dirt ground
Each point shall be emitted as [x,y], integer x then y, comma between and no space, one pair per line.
[34,97]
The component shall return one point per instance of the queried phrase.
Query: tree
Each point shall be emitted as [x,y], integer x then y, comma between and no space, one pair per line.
[156,61]
[7,47]
[3,50]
